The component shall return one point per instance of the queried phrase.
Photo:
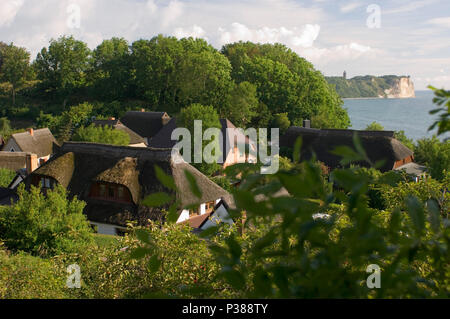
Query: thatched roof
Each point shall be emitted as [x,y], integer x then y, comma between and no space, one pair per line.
[13,161]
[128,166]
[116,124]
[60,168]
[146,124]
[40,143]
[379,145]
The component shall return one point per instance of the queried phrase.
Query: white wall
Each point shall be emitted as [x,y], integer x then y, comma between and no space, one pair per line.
[219,216]
[107,229]
[183,216]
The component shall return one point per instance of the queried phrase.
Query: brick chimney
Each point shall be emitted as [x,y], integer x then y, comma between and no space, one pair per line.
[31,131]
[142,110]
[32,163]
[307,123]
[112,118]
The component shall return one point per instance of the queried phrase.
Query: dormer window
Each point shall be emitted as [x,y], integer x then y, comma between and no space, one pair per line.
[110,192]
[45,183]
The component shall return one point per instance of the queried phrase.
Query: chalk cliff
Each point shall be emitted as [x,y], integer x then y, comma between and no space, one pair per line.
[387,86]
[402,88]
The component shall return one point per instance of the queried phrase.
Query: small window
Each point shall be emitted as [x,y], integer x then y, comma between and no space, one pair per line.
[120,192]
[111,191]
[102,192]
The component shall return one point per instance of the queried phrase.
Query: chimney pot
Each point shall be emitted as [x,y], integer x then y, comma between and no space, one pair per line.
[112,118]
[307,123]
[31,131]
[142,110]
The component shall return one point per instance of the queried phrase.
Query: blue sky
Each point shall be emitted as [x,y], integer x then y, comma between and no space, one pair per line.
[413,37]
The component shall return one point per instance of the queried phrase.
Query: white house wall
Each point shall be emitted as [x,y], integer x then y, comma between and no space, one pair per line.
[219,216]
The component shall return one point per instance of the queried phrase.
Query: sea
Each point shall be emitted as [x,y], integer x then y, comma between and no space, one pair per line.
[410,115]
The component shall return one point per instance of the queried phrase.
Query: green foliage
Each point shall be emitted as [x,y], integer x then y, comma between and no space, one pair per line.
[286,82]
[442,99]
[281,120]
[62,66]
[45,225]
[400,135]
[424,190]
[15,67]
[241,105]
[210,119]
[102,135]
[28,277]
[374,126]
[173,74]
[111,71]
[434,154]
[6,177]
[5,127]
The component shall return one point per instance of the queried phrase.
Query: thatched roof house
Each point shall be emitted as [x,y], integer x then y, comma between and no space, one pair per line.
[113,180]
[135,139]
[146,124]
[379,145]
[40,142]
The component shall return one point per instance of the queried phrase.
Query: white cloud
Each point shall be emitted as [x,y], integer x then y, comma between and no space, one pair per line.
[411,6]
[8,11]
[347,52]
[171,13]
[349,7]
[195,31]
[294,37]
[441,22]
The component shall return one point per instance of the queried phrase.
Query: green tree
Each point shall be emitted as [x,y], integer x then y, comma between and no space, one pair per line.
[374,126]
[62,66]
[434,154]
[15,67]
[102,135]
[210,119]
[45,224]
[281,120]
[111,71]
[241,105]
[172,74]
[5,127]
[286,82]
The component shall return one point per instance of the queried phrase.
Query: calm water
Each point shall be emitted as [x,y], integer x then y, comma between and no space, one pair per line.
[409,115]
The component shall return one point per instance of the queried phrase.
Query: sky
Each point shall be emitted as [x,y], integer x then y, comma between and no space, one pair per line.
[402,37]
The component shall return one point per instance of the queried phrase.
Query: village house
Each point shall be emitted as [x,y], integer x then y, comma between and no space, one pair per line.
[135,139]
[40,142]
[378,145]
[114,180]
[145,124]
[232,152]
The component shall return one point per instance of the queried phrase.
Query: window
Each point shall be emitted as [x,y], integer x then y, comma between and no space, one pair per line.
[102,192]
[109,191]
[194,212]
[47,183]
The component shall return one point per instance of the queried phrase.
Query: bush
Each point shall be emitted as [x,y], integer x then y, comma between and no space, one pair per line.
[6,177]
[101,134]
[45,225]
[23,276]
[434,154]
